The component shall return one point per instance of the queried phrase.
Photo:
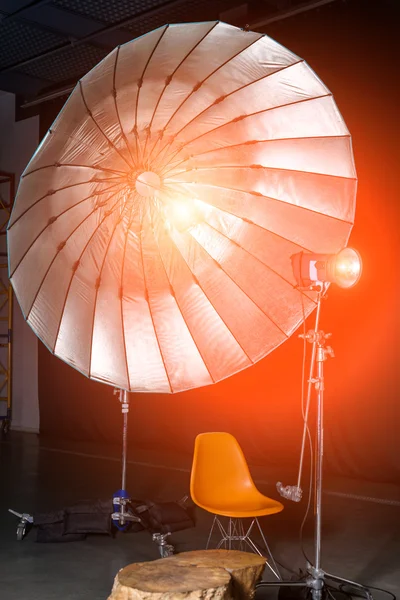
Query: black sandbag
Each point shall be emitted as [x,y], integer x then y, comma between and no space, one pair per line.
[91,506]
[54,533]
[90,522]
[75,522]
[53,516]
[89,517]
[164,517]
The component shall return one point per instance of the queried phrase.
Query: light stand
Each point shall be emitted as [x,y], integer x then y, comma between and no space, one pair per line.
[121,515]
[316,578]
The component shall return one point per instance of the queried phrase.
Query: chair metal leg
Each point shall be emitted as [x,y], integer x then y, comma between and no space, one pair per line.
[211,530]
[241,533]
[224,534]
[237,533]
[275,570]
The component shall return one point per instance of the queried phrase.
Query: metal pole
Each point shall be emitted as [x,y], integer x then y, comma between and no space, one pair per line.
[123,398]
[125,410]
[322,351]
[320,455]
[309,388]
[10,325]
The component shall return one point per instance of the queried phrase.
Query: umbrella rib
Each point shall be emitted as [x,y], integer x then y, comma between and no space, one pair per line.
[245,220]
[58,130]
[114,93]
[250,143]
[97,286]
[150,310]
[50,223]
[172,291]
[122,293]
[239,89]
[257,166]
[199,84]
[140,83]
[89,112]
[259,260]
[266,141]
[168,81]
[246,116]
[211,303]
[56,164]
[242,290]
[52,192]
[77,265]
[259,195]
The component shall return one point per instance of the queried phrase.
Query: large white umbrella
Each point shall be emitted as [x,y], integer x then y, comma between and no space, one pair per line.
[151,235]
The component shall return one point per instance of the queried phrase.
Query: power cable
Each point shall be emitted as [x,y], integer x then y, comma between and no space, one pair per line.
[303,386]
[354,594]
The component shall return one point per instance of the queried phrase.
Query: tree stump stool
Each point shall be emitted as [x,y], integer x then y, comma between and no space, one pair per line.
[245,568]
[197,575]
[162,580]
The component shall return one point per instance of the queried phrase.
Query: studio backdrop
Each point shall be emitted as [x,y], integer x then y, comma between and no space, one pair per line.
[261,405]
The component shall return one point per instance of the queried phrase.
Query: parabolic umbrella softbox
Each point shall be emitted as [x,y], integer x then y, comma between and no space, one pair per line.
[151,235]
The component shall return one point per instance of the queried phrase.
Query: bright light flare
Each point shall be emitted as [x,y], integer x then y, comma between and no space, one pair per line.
[347,268]
[343,268]
[184,214]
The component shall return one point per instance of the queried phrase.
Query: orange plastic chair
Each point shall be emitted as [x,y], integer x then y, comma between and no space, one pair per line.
[221,484]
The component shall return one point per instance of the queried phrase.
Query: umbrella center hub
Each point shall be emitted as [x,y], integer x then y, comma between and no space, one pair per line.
[147,184]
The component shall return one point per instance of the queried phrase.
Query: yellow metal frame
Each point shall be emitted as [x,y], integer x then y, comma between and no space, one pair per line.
[6,299]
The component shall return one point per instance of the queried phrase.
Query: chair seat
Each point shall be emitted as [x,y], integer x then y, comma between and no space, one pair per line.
[249,505]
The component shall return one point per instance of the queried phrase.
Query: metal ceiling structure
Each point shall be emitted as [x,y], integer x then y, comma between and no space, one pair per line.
[47,45]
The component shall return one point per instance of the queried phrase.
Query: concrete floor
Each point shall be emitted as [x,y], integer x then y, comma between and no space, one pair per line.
[361,524]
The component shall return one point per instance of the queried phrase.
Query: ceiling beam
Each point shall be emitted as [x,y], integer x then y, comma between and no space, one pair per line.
[99,34]
[8,8]
[57,93]
[290,12]
[23,84]
[69,26]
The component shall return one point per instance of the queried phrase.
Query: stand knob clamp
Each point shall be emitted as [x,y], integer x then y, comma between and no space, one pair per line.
[315,336]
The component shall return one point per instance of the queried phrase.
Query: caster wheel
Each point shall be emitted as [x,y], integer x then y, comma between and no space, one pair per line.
[5,427]
[166,550]
[20,532]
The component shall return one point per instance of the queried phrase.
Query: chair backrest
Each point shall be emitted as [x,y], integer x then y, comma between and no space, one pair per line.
[219,469]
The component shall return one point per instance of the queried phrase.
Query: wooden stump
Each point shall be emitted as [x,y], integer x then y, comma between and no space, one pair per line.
[164,580]
[245,568]
[197,575]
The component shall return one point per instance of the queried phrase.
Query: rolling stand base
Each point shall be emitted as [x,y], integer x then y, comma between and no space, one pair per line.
[314,584]
[24,523]
[161,540]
